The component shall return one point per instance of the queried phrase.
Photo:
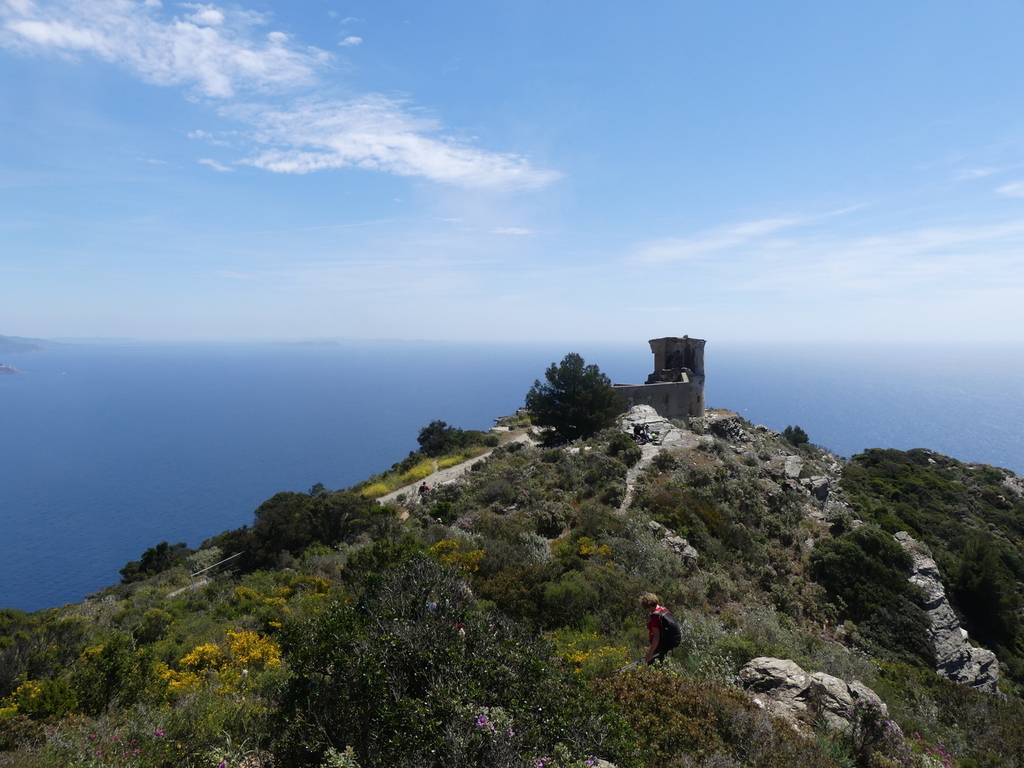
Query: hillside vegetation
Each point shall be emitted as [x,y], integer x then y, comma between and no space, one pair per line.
[494,622]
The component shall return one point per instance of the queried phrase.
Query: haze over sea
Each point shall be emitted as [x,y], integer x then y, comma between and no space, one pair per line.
[106,449]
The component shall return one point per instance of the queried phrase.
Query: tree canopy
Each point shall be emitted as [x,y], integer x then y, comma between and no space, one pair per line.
[575,400]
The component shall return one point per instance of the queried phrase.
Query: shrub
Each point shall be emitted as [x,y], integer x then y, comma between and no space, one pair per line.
[290,522]
[438,438]
[865,572]
[984,588]
[393,675]
[796,435]
[675,717]
[113,672]
[153,625]
[40,699]
[36,646]
[456,554]
[624,448]
[155,560]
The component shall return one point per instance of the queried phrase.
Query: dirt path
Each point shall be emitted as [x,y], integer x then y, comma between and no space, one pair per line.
[449,474]
[665,434]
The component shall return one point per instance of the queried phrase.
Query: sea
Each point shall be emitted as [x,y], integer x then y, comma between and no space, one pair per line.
[109,448]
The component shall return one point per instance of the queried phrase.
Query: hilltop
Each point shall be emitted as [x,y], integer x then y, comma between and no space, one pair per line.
[834,613]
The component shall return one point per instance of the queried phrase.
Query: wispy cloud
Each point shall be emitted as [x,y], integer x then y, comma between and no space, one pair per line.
[818,261]
[983,172]
[512,231]
[351,41]
[728,238]
[377,133]
[228,55]
[216,52]
[1013,189]
[712,241]
[215,165]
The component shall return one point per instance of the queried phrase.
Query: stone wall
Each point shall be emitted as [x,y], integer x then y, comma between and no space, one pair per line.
[675,400]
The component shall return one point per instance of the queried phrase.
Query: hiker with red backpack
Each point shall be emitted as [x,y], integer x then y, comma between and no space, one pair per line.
[663,631]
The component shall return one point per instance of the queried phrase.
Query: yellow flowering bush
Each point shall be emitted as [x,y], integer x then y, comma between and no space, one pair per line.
[243,651]
[22,699]
[203,657]
[588,653]
[251,649]
[587,547]
[177,682]
[452,552]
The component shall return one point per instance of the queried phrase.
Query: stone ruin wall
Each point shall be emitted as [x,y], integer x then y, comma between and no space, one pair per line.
[676,387]
[676,400]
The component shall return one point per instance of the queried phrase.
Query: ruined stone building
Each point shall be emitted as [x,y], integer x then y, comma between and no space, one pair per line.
[676,388]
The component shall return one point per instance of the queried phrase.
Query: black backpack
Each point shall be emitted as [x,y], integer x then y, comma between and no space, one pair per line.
[671,632]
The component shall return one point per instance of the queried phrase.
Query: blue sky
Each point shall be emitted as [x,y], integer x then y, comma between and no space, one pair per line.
[514,171]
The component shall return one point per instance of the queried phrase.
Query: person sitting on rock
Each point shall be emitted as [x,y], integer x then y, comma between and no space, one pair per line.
[663,631]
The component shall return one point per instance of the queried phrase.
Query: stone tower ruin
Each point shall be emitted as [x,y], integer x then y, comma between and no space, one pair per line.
[676,387]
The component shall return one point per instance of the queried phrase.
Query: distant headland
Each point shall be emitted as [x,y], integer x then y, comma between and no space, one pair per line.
[14,345]
[8,370]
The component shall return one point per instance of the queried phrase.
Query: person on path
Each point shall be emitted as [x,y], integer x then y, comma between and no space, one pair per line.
[663,632]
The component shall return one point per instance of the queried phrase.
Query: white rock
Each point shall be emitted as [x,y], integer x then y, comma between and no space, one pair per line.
[955,658]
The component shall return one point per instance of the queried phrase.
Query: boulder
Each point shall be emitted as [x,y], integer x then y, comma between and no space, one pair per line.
[777,685]
[782,687]
[683,549]
[674,542]
[1014,485]
[818,486]
[792,467]
[955,658]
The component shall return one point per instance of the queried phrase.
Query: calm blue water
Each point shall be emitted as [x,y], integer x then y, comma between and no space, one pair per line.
[106,450]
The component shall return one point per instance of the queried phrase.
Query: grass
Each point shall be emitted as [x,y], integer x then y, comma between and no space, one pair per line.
[392,481]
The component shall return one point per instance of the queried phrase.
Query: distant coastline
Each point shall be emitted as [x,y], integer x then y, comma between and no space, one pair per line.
[11,345]
[8,370]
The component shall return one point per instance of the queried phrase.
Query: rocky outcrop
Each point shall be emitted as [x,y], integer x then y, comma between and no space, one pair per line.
[955,658]
[663,434]
[783,688]
[673,542]
[726,425]
[1014,485]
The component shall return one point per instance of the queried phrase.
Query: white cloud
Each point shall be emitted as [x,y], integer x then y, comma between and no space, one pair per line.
[1013,189]
[206,15]
[381,134]
[350,41]
[712,241]
[512,231]
[220,52]
[217,166]
[211,50]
